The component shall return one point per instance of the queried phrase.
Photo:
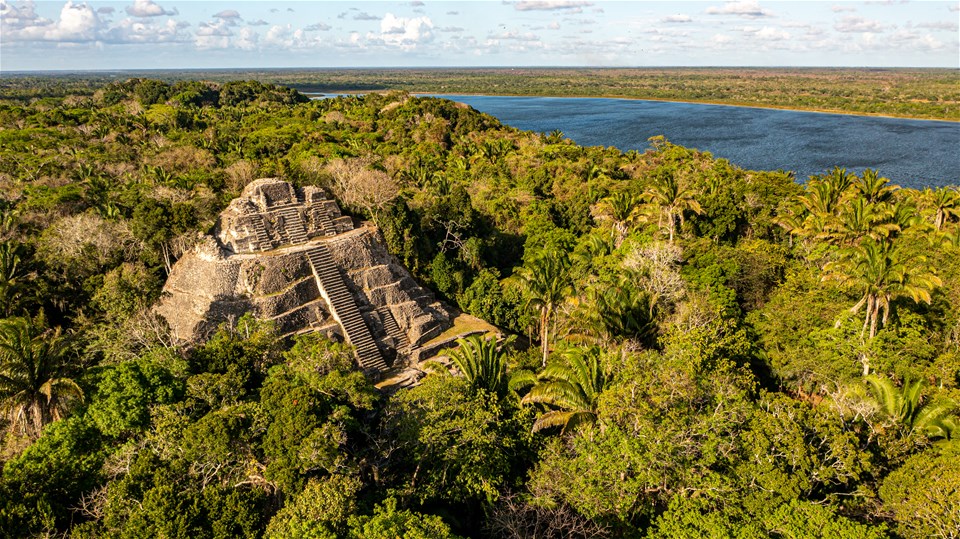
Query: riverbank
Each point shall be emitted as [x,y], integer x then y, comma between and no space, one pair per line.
[660,100]
[923,94]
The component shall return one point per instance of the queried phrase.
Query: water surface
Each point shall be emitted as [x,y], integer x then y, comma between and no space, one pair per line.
[912,153]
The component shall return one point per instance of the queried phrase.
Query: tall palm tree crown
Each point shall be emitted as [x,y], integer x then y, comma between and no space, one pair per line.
[673,200]
[882,273]
[546,282]
[570,388]
[34,390]
[906,407]
[482,363]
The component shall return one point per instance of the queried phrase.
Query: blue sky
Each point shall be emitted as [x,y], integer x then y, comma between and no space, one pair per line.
[137,34]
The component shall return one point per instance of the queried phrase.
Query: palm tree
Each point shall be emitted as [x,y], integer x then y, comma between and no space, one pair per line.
[620,309]
[672,200]
[873,187]
[546,283]
[621,210]
[33,388]
[861,219]
[571,389]
[945,203]
[482,363]
[11,277]
[881,273]
[907,407]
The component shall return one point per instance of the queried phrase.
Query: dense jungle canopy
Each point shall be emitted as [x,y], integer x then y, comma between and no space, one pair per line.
[701,350]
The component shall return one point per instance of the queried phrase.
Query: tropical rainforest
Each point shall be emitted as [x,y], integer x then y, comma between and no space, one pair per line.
[695,350]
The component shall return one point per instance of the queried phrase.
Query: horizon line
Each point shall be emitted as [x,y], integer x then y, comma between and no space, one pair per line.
[450,68]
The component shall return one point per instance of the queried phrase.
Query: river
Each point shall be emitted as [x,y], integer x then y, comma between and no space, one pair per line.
[912,153]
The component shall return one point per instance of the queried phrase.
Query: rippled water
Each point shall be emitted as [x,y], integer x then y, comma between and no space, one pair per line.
[912,153]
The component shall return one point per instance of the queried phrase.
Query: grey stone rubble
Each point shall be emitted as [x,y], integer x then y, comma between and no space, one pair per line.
[288,255]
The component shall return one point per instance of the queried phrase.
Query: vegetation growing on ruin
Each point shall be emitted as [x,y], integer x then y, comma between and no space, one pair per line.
[702,350]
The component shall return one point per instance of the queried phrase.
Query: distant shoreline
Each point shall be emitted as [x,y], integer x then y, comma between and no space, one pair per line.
[626,98]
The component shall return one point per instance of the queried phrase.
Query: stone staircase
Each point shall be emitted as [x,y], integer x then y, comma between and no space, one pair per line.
[292,223]
[393,330]
[263,240]
[345,309]
[327,224]
[329,279]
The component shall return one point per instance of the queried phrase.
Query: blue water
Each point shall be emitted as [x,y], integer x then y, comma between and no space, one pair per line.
[912,153]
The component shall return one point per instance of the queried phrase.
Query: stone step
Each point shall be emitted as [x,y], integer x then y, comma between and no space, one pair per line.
[328,228]
[263,240]
[292,223]
[392,328]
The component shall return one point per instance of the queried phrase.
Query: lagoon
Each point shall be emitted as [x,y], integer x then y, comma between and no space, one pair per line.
[912,153]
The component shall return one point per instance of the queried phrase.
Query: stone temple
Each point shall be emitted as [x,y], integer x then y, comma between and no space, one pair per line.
[288,255]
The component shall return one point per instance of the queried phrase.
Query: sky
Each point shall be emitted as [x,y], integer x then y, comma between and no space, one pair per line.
[171,34]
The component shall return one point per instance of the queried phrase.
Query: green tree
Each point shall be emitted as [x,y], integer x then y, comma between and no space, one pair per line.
[34,386]
[924,493]
[672,200]
[126,392]
[945,203]
[907,407]
[389,523]
[446,443]
[546,283]
[873,187]
[881,273]
[622,210]
[320,511]
[570,388]
[482,363]
[12,277]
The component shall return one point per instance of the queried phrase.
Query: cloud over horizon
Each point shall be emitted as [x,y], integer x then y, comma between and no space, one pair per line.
[87,34]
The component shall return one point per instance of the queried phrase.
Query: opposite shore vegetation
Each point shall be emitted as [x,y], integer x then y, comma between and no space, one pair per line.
[905,93]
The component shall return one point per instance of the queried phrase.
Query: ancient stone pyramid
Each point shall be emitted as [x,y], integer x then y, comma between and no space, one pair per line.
[288,255]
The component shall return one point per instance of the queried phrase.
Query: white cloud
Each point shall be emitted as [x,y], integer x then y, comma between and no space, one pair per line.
[78,23]
[227,14]
[258,22]
[280,36]
[748,9]
[853,24]
[148,8]
[678,18]
[940,25]
[317,27]
[768,33]
[954,7]
[551,5]
[140,31]
[843,9]
[213,35]
[554,25]
[247,39]
[514,36]
[14,16]
[722,40]
[406,33]
[916,41]
[364,16]
[108,10]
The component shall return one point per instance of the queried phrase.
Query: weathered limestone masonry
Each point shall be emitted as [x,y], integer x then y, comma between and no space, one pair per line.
[289,256]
